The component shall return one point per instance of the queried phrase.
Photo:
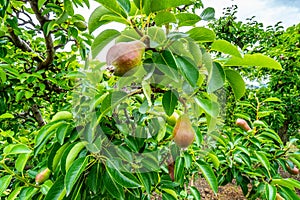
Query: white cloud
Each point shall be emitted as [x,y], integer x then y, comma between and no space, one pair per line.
[269,12]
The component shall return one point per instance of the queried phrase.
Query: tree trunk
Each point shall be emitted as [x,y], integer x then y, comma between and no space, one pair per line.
[282,132]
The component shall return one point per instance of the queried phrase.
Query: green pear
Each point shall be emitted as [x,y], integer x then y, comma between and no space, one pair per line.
[125,56]
[183,132]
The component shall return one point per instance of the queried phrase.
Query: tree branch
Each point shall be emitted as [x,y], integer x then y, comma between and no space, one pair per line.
[48,39]
[37,115]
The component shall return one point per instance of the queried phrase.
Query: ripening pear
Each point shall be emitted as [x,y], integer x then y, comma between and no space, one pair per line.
[294,171]
[243,124]
[42,176]
[183,132]
[125,56]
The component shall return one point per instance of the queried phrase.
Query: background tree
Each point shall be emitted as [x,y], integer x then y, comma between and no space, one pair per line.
[281,45]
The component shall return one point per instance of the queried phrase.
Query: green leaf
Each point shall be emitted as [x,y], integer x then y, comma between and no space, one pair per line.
[188,69]
[45,187]
[17,149]
[195,192]
[74,172]
[187,19]
[146,181]
[94,20]
[45,131]
[4,183]
[164,17]
[102,40]
[169,194]
[28,94]
[288,193]
[41,3]
[110,17]
[57,191]
[61,133]
[214,159]
[270,192]
[157,35]
[208,14]
[14,194]
[210,107]
[2,76]
[226,48]
[179,170]
[21,161]
[196,52]
[236,82]
[258,60]
[27,192]
[263,159]
[209,175]
[125,4]
[6,116]
[114,7]
[68,5]
[169,102]
[272,99]
[216,78]
[56,155]
[147,92]
[201,34]
[119,177]
[71,155]
[3,52]
[113,188]
[165,4]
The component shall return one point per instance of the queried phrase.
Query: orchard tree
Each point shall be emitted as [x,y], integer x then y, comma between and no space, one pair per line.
[281,45]
[145,123]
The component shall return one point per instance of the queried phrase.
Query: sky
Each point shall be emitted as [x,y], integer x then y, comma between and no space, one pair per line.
[269,12]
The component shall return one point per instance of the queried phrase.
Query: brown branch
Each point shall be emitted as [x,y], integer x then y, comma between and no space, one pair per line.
[48,39]
[37,115]
[18,42]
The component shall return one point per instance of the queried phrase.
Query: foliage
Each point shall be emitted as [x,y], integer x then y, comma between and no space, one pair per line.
[282,45]
[107,136]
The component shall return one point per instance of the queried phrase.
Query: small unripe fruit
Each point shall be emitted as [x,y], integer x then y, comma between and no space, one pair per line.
[81,26]
[42,176]
[183,132]
[242,124]
[62,115]
[171,120]
[125,56]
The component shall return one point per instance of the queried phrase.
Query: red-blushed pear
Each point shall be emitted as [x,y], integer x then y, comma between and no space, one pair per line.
[242,124]
[294,171]
[183,132]
[125,56]
[42,176]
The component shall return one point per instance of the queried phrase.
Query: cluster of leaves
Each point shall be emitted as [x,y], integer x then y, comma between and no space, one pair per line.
[275,42]
[116,142]
[253,158]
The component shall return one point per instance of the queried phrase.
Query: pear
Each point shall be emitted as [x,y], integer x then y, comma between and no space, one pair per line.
[183,132]
[242,124]
[171,120]
[125,56]
[293,171]
[42,176]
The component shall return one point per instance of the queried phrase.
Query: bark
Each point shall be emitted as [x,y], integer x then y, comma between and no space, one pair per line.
[37,115]
[282,132]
